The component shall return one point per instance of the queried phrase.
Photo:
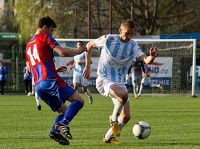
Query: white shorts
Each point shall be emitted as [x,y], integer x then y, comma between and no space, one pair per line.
[79,79]
[103,86]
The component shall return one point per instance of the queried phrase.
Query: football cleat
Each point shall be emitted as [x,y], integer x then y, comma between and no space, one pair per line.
[136,97]
[39,107]
[64,130]
[115,127]
[58,138]
[112,140]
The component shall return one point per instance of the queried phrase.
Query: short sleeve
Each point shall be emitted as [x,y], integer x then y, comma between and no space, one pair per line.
[138,52]
[100,42]
[51,42]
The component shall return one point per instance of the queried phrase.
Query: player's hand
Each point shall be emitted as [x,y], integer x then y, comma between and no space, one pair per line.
[61,69]
[86,72]
[81,48]
[154,51]
[26,74]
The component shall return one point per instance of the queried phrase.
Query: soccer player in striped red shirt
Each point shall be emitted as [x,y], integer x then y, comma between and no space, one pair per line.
[48,84]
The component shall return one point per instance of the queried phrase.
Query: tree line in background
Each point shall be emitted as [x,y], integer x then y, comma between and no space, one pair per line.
[152,17]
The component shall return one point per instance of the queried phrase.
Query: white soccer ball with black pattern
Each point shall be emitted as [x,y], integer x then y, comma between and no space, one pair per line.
[141,130]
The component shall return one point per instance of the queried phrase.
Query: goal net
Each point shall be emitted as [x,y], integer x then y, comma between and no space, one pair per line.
[171,73]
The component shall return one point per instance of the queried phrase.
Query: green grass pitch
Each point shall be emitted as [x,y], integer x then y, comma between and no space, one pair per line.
[174,120]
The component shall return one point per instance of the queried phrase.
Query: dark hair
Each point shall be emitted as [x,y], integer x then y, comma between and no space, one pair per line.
[128,23]
[81,43]
[46,21]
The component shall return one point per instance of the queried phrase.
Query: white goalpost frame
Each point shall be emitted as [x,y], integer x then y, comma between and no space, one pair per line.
[194,67]
[193,57]
[159,40]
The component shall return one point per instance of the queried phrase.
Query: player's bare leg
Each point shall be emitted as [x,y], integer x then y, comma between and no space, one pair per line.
[76,87]
[87,92]
[38,100]
[123,118]
[69,113]
[135,91]
[119,96]
[141,86]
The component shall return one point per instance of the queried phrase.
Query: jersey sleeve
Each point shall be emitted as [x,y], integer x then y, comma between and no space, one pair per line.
[138,52]
[51,42]
[100,42]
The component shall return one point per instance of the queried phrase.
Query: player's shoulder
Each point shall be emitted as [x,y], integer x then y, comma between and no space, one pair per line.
[112,36]
[104,37]
[133,42]
[37,37]
[44,36]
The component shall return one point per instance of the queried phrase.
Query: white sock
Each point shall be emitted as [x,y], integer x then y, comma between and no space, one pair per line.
[37,99]
[134,90]
[141,87]
[33,89]
[121,124]
[109,134]
[117,109]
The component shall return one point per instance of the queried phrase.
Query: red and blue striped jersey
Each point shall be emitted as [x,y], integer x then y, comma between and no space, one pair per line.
[39,54]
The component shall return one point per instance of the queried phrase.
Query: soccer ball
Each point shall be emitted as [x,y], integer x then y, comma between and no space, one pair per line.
[141,130]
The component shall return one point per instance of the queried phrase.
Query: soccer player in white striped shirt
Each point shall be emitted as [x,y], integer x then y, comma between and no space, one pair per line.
[78,80]
[117,54]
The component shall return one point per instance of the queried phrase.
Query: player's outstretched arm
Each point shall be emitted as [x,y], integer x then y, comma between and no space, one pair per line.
[86,71]
[61,69]
[153,54]
[69,52]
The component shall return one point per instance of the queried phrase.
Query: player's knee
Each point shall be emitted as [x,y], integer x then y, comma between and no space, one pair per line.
[82,102]
[76,97]
[124,97]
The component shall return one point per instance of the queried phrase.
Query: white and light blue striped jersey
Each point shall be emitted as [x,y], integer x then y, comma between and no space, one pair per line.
[116,57]
[79,58]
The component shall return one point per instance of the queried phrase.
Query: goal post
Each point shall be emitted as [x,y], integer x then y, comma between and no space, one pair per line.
[194,68]
[173,68]
[189,44]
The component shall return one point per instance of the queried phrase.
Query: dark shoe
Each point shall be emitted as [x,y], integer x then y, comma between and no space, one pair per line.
[64,130]
[39,107]
[58,138]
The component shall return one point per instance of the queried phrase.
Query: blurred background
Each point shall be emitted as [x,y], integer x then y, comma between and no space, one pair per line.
[92,18]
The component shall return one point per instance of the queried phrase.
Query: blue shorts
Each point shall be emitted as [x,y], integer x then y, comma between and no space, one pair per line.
[53,94]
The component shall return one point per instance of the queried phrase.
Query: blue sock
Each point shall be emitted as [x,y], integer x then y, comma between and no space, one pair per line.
[58,118]
[71,111]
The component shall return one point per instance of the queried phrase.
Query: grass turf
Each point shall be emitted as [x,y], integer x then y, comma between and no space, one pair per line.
[174,120]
